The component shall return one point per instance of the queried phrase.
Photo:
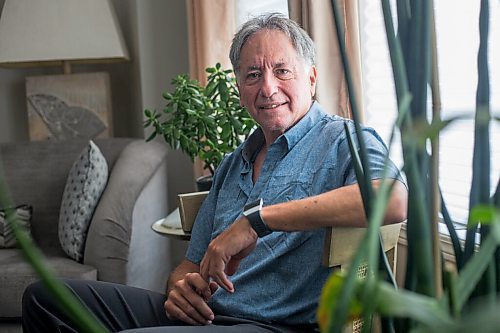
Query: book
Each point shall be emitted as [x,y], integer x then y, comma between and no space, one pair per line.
[189,204]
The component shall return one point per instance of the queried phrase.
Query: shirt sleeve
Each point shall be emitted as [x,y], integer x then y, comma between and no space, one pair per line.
[203,227]
[201,234]
[377,157]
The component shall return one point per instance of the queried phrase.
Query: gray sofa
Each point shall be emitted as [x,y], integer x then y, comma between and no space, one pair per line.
[120,245]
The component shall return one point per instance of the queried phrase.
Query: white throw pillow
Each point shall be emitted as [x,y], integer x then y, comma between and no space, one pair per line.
[86,182]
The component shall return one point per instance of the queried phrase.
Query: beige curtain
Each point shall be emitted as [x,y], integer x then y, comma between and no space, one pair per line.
[316,17]
[211,26]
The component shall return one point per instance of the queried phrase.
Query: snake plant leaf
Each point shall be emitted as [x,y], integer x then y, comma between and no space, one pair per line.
[423,131]
[484,214]
[481,317]
[387,301]
[423,309]
[455,241]
[352,93]
[329,300]
[358,169]
[365,188]
[340,309]
[395,47]
[496,196]
[481,156]
[476,266]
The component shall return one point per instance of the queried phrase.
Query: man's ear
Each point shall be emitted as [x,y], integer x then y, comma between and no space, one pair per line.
[312,80]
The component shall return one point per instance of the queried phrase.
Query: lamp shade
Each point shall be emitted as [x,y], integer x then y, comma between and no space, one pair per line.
[50,32]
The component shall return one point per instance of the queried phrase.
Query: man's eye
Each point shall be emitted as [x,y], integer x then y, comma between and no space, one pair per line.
[253,76]
[283,73]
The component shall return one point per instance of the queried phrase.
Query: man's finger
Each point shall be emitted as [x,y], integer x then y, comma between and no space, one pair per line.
[199,284]
[210,268]
[178,309]
[221,279]
[213,287]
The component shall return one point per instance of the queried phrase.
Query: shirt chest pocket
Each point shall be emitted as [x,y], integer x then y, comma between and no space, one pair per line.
[282,188]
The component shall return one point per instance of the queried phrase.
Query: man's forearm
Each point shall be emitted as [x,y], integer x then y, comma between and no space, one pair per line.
[342,207]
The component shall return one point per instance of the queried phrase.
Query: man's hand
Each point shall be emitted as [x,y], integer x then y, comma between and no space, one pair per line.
[226,251]
[187,300]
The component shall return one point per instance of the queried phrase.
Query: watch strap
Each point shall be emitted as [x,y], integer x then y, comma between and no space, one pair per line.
[252,213]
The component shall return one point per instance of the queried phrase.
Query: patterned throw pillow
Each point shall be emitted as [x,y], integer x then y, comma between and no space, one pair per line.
[7,238]
[86,182]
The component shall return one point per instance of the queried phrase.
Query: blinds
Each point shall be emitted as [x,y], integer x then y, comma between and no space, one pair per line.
[458,42]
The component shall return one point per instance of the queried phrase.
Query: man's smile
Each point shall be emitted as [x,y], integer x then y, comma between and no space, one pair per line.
[271,106]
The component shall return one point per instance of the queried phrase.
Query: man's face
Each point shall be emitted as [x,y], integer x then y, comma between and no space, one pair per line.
[275,83]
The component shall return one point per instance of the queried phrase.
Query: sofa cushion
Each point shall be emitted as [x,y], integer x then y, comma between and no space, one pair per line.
[84,186]
[16,274]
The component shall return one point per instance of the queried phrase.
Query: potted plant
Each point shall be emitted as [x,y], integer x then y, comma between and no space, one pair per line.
[433,299]
[207,122]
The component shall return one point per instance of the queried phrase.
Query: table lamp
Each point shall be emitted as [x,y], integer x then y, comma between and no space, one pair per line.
[61,33]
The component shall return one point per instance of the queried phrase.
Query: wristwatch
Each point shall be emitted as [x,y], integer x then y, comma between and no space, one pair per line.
[252,212]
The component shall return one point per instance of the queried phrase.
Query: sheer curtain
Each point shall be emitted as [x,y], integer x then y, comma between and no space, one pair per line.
[316,17]
[211,26]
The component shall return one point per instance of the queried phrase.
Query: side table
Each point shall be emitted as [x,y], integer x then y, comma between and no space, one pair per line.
[170,226]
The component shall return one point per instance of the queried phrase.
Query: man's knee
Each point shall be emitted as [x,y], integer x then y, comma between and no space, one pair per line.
[37,295]
[32,293]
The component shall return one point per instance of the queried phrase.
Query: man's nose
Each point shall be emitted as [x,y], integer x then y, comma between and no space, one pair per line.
[269,85]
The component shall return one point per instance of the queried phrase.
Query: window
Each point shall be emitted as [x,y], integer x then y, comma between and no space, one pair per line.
[458,42]
[246,9]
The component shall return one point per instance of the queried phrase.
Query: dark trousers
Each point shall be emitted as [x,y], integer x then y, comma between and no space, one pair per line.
[124,308]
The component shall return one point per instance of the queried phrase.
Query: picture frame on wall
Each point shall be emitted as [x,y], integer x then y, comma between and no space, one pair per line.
[69,106]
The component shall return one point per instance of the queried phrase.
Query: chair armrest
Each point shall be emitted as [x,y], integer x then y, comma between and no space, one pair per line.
[120,242]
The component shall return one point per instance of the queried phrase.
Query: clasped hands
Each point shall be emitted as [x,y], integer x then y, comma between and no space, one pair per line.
[187,300]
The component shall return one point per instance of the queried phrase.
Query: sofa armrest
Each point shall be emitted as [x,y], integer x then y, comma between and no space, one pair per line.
[120,242]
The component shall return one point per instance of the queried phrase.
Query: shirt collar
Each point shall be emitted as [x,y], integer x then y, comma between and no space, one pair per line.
[291,137]
[252,146]
[297,132]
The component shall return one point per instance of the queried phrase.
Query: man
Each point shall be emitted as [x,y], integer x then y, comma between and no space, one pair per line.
[295,177]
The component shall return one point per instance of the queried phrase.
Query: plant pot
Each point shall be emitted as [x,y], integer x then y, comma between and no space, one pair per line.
[204,183]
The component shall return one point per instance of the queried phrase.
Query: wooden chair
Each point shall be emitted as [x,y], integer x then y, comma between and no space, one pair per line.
[340,247]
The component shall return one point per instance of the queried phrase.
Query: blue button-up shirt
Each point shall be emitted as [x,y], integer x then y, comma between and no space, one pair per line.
[281,280]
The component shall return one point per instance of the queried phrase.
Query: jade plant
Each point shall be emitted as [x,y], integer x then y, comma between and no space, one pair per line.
[207,122]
